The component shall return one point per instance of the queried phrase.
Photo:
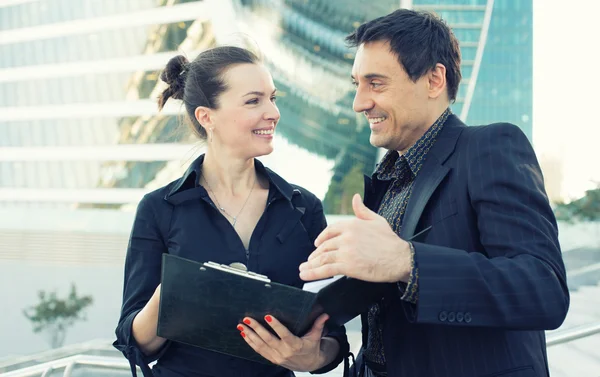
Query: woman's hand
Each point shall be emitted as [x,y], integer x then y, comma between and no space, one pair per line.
[145,324]
[306,354]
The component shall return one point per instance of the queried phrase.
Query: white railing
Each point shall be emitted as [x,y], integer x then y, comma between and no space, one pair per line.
[572,334]
[114,363]
[68,364]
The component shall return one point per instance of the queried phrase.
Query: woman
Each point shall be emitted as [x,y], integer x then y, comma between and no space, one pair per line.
[226,208]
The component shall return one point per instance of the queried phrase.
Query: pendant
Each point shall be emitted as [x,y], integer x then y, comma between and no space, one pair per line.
[234,221]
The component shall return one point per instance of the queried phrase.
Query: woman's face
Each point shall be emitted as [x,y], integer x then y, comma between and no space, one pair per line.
[246,118]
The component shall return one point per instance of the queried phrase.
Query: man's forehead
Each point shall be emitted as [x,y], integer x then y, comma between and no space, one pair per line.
[373,57]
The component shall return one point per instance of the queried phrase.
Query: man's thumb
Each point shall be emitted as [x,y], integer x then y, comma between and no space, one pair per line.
[360,210]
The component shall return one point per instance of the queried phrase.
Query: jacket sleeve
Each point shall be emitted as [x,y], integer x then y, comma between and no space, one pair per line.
[142,276]
[319,223]
[517,280]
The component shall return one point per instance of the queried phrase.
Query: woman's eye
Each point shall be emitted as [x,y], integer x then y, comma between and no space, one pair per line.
[252,101]
[274,99]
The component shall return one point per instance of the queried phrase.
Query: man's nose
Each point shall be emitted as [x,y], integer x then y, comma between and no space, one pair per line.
[362,101]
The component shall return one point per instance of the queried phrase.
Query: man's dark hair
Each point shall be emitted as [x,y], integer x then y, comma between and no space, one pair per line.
[419,39]
[200,83]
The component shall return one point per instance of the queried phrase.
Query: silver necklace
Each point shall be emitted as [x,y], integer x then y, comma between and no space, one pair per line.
[222,209]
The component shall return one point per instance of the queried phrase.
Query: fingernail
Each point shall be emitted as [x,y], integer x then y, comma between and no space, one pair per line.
[240,327]
[247,321]
[243,334]
[268,318]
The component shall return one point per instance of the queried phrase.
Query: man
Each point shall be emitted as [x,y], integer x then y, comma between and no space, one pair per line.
[484,277]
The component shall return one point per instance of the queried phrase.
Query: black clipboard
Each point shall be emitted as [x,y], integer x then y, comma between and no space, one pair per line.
[201,304]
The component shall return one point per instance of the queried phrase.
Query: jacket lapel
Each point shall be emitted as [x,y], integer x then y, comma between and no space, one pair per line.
[421,192]
[368,195]
[374,192]
[431,175]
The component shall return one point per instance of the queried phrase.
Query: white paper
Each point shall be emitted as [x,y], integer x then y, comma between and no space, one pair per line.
[316,286]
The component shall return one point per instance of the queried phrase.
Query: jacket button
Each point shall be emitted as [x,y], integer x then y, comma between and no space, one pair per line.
[451,317]
[468,318]
[460,317]
[443,316]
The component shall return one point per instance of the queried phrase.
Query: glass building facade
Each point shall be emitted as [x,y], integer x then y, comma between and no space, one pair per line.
[496,40]
[86,74]
[53,92]
[80,75]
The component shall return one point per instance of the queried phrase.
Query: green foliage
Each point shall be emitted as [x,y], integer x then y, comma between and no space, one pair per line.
[338,200]
[586,208]
[55,316]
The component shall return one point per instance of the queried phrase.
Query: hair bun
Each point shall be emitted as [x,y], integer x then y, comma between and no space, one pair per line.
[174,75]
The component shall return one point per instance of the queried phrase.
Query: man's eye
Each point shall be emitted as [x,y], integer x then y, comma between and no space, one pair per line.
[253,101]
[375,84]
[355,84]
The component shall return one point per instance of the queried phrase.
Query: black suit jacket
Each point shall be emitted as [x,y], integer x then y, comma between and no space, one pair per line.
[491,274]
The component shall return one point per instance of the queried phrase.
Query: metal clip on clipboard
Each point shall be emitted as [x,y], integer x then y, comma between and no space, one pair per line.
[237,271]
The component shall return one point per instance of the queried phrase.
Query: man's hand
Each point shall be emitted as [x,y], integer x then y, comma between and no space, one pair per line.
[364,248]
[306,354]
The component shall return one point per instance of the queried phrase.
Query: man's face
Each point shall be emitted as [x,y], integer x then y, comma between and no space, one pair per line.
[395,106]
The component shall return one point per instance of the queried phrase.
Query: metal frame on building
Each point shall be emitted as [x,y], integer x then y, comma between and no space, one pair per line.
[159,15]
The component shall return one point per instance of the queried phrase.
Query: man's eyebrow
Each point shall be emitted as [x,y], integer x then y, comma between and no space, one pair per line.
[257,93]
[370,76]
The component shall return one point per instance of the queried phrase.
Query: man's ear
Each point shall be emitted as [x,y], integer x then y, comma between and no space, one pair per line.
[437,81]
[204,116]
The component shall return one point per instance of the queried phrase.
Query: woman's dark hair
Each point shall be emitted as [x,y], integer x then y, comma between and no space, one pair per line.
[200,82]
[419,39]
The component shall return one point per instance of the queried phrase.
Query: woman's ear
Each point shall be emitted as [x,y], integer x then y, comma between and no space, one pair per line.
[204,116]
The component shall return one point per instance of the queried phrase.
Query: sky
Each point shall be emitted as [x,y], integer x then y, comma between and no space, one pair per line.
[566,85]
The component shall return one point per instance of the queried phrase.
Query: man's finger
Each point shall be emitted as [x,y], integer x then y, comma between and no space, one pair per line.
[331,231]
[329,245]
[323,258]
[321,272]
[361,211]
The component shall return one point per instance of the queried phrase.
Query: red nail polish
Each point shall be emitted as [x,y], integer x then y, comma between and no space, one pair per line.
[240,328]
[269,318]
[243,334]
[247,321]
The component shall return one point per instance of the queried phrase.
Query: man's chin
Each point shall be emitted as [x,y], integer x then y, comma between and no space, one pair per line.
[378,141]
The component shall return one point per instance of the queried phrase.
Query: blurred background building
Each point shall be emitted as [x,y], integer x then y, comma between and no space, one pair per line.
[81,139]
[55,51]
